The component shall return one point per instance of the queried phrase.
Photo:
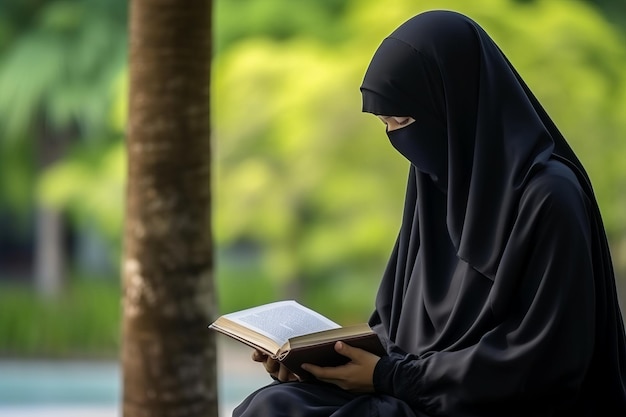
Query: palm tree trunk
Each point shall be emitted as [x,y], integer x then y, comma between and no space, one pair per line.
[168,354]
[49,252]
[50,247]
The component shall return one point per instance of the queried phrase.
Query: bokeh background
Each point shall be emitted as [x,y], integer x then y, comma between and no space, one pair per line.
[307,192]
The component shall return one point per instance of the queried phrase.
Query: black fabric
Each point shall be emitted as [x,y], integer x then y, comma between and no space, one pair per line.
[499,296]
[441,65]
[304,399]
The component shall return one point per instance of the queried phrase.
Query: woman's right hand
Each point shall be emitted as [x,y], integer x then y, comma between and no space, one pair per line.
[277,370]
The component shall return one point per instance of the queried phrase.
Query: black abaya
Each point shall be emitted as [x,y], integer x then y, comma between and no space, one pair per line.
[499,297]
[303,399]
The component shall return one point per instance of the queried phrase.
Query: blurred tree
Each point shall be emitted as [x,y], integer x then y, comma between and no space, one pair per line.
[168,354]
[236,20]
[614,10]
[59,60]
[308,197]
[303,181]
[305,185]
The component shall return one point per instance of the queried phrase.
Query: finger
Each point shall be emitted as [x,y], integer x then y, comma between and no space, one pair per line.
[323,373]
[348,351]
[343,349]
[355,355]
[333,372]
[271,366]
[258,356]
[285,375]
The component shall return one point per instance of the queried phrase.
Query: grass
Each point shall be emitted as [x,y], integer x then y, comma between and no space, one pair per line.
[83,321]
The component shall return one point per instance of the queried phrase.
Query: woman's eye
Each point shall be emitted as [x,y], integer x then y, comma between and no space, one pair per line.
[402,120]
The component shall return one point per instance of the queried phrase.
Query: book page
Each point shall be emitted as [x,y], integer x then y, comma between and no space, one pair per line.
[282,320]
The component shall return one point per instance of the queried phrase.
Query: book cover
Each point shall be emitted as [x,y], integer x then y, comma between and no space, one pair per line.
[295,334]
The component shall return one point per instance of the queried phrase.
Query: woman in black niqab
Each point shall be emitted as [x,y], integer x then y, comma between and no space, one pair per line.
[499,298]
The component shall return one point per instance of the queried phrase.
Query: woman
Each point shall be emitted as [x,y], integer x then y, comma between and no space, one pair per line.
[499,298]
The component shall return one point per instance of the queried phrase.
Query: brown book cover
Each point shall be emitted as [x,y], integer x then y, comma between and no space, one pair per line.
[295,334]
[324,354]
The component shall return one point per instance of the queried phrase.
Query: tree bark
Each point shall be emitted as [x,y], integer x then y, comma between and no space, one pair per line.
[168,354]
[49,252]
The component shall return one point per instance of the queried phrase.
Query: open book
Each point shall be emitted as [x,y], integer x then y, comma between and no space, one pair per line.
[294,334]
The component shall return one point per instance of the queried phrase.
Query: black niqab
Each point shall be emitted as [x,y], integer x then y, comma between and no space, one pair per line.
[443,69]
[499,297]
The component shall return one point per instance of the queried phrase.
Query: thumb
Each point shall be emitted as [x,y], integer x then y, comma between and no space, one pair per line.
[346,350]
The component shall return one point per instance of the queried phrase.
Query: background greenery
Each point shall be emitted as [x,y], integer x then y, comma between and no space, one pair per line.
[83,322]
[307,191]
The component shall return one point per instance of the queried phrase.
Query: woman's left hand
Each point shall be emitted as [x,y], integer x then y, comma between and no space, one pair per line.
[356,375]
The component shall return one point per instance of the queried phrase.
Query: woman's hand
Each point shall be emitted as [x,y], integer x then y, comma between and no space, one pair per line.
[356,376]
[274,368]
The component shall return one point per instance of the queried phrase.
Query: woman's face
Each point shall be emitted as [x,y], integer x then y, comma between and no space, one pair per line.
[396,122]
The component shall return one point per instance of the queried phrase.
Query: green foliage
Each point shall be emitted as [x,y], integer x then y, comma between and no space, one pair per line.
[311,182]
[277,19]
[237,272]
[64,68]
[18,177]
[64,187]
[83,322]
[58,64]
[614,10]
[300,173]
[307,191]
